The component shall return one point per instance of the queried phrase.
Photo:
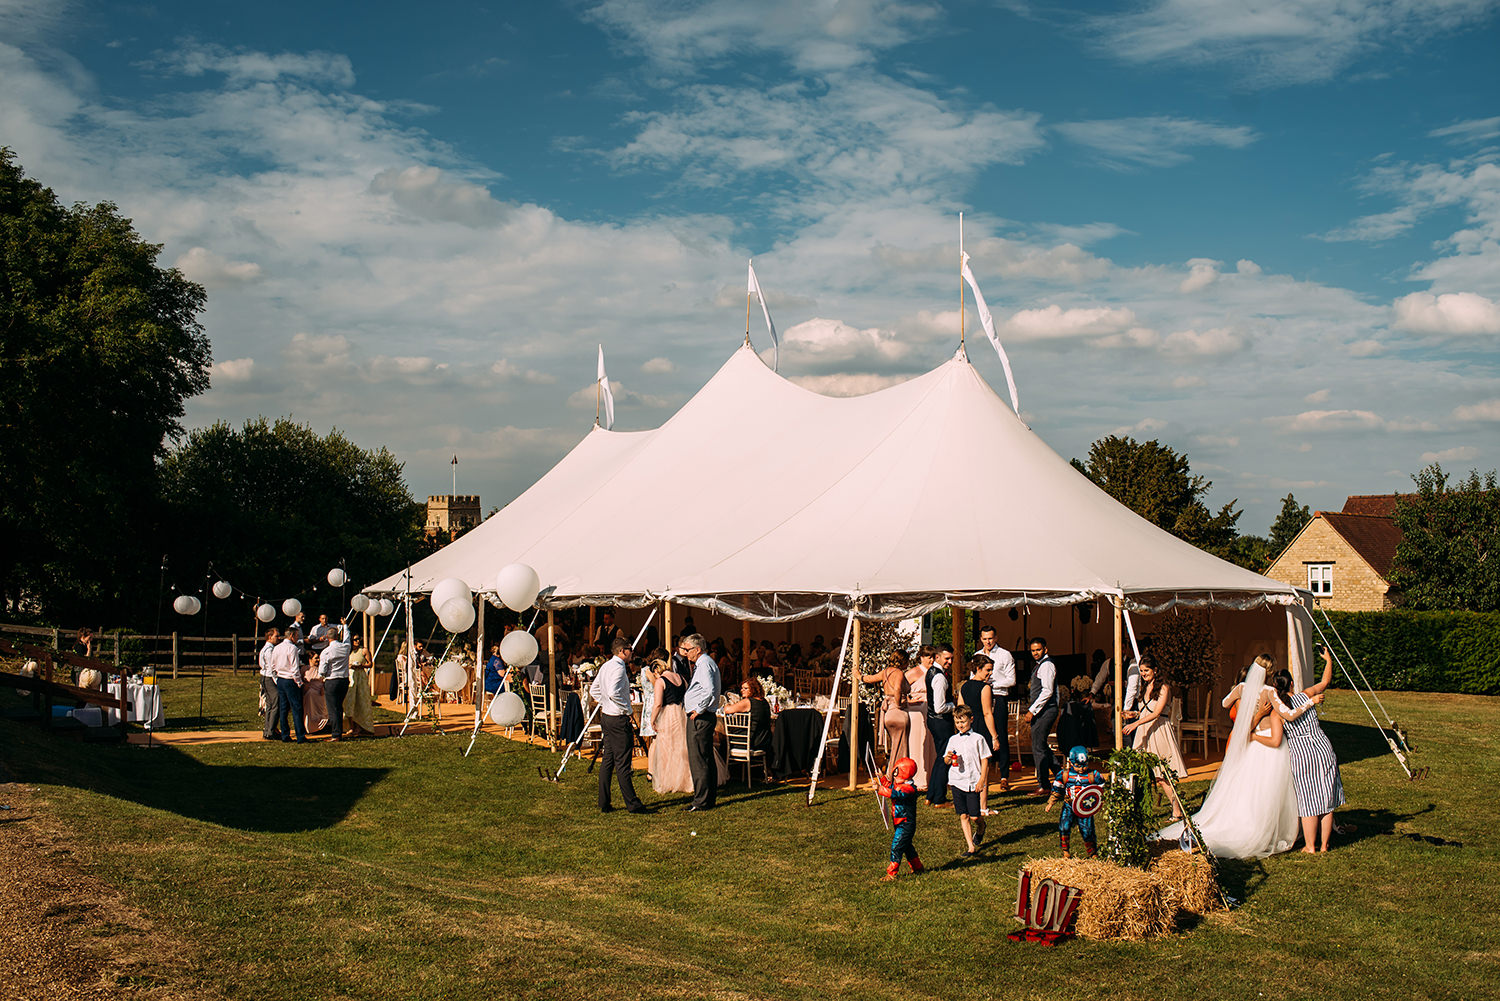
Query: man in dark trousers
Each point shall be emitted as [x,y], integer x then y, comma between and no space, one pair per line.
[939,722]
[611,690]
[701,701]
[1042,714]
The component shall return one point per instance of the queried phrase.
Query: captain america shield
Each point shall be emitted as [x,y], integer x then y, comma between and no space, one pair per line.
[1087,800]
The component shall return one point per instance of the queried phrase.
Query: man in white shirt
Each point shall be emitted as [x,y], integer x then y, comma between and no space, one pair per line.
[701,702]
[1042,714]
[319,635]
[1002,687]
[286,665]
[611,691]
[939,721]
[333,668]
[272,729]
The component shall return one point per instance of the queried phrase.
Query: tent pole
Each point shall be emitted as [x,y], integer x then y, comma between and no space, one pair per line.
[744,649]
[553,701]
[959,660]
[592,626]
[854,674]
[1119,671]
[670,646]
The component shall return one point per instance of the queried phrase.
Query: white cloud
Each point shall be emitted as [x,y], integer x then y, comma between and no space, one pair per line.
[244,65]
[212,271]
[428,193]
[233,370]
[318,350]
[507,371]
[1202,273]
[1336,421]
[835,345]
[1276,43]
[1217,440]
[1247,267]
[1450,313]
[1187,381]
[1146,425]
[1461,453]
[1317,396]
[625,398]
[1205,344]
[858,384]
[1365,348]
[1473,130]
[658,366]
[813,37]
[1486,410]
[1157,141]
[1053,323]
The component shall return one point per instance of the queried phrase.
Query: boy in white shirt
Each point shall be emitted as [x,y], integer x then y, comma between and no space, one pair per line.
[968,758]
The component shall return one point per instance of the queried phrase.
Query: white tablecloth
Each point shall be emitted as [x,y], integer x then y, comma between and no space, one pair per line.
[145,704]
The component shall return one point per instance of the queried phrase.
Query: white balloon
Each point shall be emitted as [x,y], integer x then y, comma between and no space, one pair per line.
[336,577]
[451,676]
[517,586]
[507,709]
[291,606]
[359,603]
[223,589]
[265,613]
[186,604]
[518,648]
[449,588]
[456,615]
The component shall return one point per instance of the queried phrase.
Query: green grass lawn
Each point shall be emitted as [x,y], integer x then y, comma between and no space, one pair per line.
[396,869]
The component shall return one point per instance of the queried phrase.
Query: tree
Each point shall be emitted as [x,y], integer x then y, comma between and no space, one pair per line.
[99,349]
[274,507]
[1292,519]
[1157,483]
[1449,555]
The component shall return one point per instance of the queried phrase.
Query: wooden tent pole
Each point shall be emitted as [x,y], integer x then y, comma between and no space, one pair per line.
[1119,672]
[854,676]
[554,703]
[592,626]
[958,616]
[666,618]
[744,648]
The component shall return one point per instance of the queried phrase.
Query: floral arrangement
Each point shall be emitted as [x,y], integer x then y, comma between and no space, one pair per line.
[776,694]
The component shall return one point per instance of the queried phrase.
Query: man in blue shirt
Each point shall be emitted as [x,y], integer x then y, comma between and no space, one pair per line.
[701,702]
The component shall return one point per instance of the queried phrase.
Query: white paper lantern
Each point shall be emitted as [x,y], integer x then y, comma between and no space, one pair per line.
[186,604]
[507,709]
[336,577]
[359,603]
[266,612]
[517,586]
[518,648]
[449,588]
[223,589]
[291,607]
[456,615]
[451,676]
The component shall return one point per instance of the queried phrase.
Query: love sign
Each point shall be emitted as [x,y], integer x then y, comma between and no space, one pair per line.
[1046,912]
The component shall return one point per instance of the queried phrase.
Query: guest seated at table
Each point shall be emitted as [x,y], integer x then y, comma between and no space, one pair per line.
[817,648]
[753,701]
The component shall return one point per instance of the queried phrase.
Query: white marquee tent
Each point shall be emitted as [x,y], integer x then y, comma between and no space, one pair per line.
[769,502]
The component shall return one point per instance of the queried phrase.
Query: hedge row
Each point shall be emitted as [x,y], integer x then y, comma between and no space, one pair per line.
[1422,651]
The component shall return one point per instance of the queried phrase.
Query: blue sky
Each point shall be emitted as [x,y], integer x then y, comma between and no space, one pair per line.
[1267,234]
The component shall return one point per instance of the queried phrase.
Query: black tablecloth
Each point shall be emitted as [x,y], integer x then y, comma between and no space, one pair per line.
[866,738]
[796,742]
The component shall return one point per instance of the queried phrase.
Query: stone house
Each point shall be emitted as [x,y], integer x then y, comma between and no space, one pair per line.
[1344,557]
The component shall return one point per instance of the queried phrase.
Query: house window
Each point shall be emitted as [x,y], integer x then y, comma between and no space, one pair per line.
[1320,578]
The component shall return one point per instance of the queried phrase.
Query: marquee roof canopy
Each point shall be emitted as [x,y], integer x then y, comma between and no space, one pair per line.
[767,501]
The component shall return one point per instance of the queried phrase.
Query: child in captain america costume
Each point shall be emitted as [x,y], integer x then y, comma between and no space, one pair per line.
[903,797]
[1074,776]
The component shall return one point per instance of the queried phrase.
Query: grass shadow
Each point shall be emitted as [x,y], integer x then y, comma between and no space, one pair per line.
[262,798]
[1355,741]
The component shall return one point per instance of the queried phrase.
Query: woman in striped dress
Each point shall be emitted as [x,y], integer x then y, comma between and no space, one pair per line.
[1315,768]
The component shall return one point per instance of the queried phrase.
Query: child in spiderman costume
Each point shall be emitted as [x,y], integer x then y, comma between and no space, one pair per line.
[903,797]
[1075,774]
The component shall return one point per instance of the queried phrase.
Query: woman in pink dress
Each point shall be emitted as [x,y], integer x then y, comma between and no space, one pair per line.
[1152,730]
[918,740]
[314,706]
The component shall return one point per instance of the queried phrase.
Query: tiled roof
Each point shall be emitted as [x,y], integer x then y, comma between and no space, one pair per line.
[1381,505]
[1374,537]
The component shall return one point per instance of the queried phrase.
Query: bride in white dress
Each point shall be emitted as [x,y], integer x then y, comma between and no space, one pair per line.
[1251,810]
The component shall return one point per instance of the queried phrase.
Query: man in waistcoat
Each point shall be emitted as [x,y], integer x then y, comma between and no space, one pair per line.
[1042,714]
[939,722]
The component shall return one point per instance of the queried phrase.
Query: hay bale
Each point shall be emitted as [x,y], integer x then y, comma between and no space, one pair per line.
[1187,880]
[1118,902]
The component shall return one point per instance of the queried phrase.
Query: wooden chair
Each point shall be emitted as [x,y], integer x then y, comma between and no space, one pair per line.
[737,739]
[543,721]
[1197,728]
[802,683]
[822,685]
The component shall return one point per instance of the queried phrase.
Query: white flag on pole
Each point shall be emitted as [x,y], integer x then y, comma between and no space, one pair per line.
[765,311]
[989,329]
[606,397]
